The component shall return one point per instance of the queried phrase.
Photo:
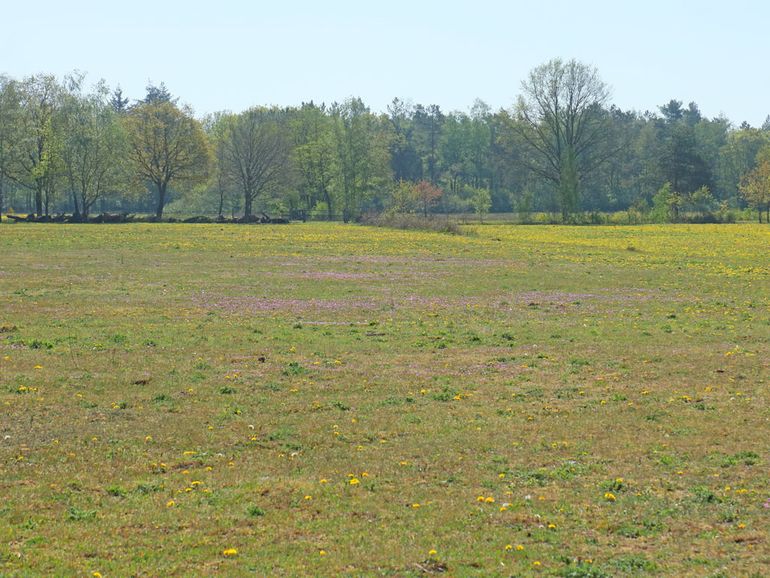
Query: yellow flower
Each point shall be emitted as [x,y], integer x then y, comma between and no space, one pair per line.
[536,563]
[609,496]
[97,575]
[170,504]
[551,526]
[322,552]
[415,505]
[489,500]
[519,547]
[508,547]
[323,481]
[354,481]
[308,497]
[432,553]
[230,552]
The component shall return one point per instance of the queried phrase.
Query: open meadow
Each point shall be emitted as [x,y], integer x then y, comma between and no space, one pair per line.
[323,400]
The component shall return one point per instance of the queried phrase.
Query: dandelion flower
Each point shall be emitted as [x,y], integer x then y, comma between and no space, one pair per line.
[354,481]
[432,553]
[170,504]
[609,496]
[322,552]
[230,552]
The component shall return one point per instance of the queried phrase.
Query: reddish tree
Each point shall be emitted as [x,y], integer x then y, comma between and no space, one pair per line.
[428,195]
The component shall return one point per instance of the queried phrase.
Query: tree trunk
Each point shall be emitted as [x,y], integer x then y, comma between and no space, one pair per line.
[328,201]
[76,213]
[86,208]
[247,204]
[39,199]
[161,200]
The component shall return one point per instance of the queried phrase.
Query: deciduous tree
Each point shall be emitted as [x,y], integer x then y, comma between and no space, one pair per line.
[256,153]
[93,147]
[166,146]
[755,186]
[563,121]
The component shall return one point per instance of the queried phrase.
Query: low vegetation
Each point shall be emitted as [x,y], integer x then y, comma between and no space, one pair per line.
[343,400]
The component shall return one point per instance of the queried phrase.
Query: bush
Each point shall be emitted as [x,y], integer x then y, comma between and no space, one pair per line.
[413,223]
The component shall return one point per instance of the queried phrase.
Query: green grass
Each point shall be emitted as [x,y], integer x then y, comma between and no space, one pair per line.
[521,400]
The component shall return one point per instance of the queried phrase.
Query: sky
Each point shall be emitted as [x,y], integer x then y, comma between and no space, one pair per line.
[230,55]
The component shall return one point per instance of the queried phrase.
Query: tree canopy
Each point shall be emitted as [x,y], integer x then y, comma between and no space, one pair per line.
[562,148]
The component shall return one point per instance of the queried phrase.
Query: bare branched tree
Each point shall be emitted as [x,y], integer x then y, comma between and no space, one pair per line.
[563,120]
[256,153]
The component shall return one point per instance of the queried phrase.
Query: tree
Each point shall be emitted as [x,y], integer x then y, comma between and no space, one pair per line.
[158,94]
[362,156]
[166,146]
[403,198]
[256,153]
[404,159]
[681,159]
[39,162]
[755,186]
[427,123]
[563,122]
[117,102]
[666,204]
[427,195]
[221,182]
[701,201]
[736,158]
[9,133]
[314,157]
[481,201]
[93,147]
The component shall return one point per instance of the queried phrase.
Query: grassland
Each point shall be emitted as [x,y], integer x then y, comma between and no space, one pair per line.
[338,400]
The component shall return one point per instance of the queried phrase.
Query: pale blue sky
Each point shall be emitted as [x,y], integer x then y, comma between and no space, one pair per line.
[231,55]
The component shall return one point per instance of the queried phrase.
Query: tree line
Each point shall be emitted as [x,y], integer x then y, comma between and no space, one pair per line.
[563,148]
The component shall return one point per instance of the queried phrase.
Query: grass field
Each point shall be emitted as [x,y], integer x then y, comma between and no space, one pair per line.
[331,400]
